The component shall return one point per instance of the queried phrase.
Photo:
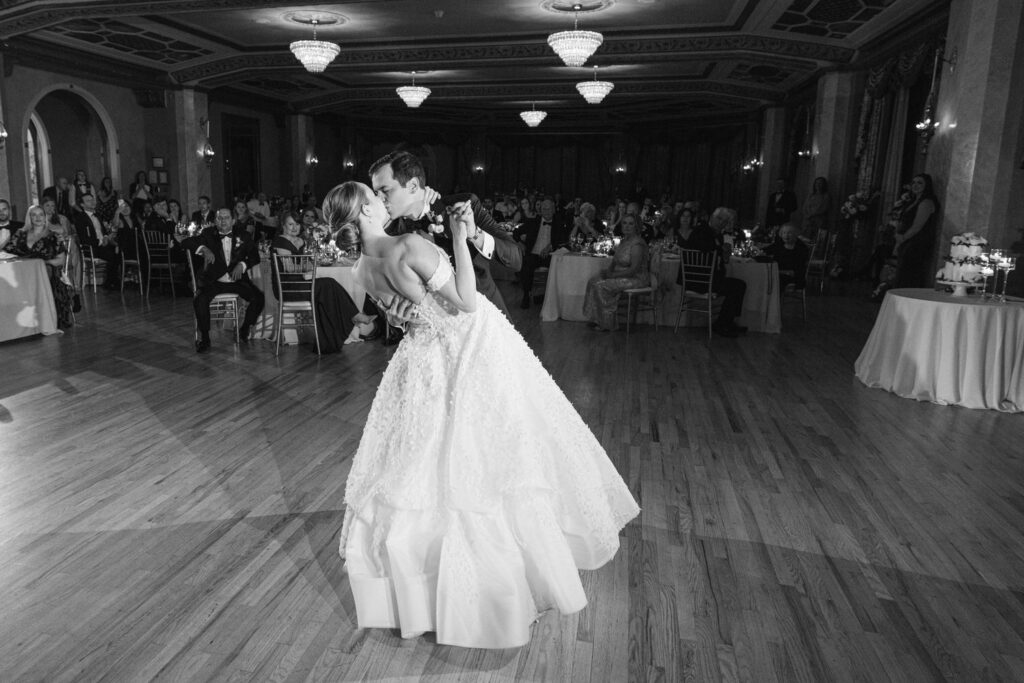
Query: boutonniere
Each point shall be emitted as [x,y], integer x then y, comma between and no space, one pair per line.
[435,225]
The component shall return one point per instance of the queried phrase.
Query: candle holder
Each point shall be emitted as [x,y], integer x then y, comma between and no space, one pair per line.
[1005,264]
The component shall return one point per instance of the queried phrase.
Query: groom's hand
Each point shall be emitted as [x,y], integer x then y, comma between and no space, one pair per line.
[400,312]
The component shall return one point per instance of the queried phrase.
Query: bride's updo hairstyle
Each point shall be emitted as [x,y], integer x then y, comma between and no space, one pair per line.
[341,211]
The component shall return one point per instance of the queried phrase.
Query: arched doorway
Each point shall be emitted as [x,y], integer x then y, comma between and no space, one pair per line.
[66,129]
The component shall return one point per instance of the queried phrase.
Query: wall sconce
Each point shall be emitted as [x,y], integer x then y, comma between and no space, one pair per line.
[349,163]
[478,168]
[805,151]
[208,153]
[751,165]
[3,134]
[927,125]
[313,160]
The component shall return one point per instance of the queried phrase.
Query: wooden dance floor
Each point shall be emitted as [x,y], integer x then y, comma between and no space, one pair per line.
[168,516]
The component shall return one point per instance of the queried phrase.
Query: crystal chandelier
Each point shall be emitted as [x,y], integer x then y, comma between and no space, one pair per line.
[532,117]
[575,46]
[314,54]
[594,91]
[413,95]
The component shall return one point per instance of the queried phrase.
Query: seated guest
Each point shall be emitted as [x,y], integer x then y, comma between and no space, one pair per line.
[243,222]
[540,235]
[791,254]
[310,219]
[334,307]
[612,215]
[160,220]
[36,240]
[106,199]
[174,212]
[124,227]
[663,230]
[92,233]
[61,226]
[584,225]
[629,269]
[139,192]
[227,259]
[685,228]
[61,193]
[709,239]
[7,226]
[203,217]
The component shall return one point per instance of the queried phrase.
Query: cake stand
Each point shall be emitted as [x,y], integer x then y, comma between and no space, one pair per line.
[959,288]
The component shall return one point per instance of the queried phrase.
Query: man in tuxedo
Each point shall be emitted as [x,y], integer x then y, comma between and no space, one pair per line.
[708,238]
[205,215]
[781,204]
[91,233]
[5,218]
[540,235]
[227,260]
[400,181]
[61,195]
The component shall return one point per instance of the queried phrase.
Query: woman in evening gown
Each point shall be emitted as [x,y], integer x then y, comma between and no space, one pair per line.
[477,492]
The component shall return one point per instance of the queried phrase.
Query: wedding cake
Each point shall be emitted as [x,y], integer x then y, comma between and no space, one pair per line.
[964,261]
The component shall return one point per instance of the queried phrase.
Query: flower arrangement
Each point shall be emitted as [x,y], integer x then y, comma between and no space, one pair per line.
[855,205]
[896,212]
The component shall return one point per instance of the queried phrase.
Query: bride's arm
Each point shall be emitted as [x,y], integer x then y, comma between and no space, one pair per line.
[423,258]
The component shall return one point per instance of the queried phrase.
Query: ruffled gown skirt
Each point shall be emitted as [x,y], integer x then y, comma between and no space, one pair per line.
[477,491]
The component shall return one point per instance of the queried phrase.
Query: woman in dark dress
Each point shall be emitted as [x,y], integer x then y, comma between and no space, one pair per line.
[36,240]
[334,307]
[915,239]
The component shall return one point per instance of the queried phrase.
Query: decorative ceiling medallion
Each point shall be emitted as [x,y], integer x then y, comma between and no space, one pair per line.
[322,18]
[563,7]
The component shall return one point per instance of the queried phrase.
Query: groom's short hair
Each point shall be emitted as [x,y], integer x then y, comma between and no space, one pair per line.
[404,167]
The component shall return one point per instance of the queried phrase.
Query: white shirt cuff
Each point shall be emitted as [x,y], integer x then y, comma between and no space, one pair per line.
[484,244]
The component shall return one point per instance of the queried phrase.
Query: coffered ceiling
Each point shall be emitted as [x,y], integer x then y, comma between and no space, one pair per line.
[484,60]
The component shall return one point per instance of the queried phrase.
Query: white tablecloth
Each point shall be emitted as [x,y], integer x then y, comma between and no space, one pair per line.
[932,346]
[266,326]
[26,300]
[569,274]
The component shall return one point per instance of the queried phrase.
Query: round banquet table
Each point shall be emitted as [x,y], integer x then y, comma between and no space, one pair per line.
[569,273]
[266,326]
[26,300]
[932,346]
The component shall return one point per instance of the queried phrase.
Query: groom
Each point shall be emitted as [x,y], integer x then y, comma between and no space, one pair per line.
[400,181]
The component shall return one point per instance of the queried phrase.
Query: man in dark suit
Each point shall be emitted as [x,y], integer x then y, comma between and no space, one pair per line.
[205,215]
[5,218]
[708,238]
[227,260]
[401,181]
[540,235]
[61,195]
[781,204]
[92,233]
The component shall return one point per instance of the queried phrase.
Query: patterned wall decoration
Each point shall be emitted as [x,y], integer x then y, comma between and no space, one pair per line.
[116,35]
[828,18]
[764,74]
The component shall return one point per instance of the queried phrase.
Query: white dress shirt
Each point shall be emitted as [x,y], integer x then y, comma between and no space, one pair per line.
[543,237]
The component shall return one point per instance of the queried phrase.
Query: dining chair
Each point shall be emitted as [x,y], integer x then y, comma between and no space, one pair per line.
[135,262]
[160,268]
[295,277]
[822,251]
[647,298]
[222,306]
[89,261]
[698,271]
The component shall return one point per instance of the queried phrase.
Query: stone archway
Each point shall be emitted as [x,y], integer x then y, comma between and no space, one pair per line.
[69,97]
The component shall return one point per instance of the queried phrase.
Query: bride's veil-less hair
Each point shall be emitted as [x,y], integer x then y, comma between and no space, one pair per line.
[341,211]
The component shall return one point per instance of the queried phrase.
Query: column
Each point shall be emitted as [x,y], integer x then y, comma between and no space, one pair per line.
[773,154]
[837,112]
[301,140]
[975,156]
[13,133]
[193,171]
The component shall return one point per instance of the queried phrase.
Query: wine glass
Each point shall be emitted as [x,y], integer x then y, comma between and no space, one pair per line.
[1006,264]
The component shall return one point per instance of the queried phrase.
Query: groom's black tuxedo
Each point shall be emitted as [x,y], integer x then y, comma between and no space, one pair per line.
[506,250]
[208,278]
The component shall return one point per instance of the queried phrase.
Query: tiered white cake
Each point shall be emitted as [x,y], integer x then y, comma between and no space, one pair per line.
[964,261]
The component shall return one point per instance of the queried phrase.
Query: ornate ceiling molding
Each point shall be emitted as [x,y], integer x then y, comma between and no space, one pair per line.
[750,96]
[636,49]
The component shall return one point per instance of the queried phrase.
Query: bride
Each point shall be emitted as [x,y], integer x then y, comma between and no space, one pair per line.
[477,492]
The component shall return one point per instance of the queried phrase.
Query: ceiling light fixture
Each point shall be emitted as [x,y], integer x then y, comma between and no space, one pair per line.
[532,117]
[314,54]
[594,91]
[413,95]
[575,46]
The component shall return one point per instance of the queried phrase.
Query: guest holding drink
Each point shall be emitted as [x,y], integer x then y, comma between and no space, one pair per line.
[628,270]
[584,227]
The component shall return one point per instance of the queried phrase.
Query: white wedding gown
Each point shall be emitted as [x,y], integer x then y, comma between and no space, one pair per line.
[477,491]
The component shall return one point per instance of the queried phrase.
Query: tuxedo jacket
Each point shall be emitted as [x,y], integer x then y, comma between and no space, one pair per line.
[13,226]
[243,250]
[84,228]
[198,217]
[528,231]
[506,250]
[62,198]
[780,207]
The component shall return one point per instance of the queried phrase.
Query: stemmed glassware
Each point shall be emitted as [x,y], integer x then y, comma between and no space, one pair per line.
[1005,264]
[986,272]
